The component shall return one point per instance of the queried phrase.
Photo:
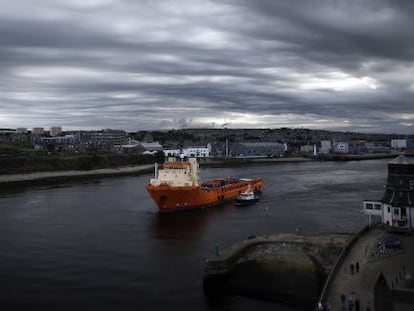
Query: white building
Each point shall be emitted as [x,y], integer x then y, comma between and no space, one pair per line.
[151,146]
[396,208]
[198,152]
[172,152]
[325,147]
[341,147]
[398,143]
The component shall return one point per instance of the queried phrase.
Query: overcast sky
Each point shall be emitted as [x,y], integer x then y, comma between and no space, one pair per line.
[148,64]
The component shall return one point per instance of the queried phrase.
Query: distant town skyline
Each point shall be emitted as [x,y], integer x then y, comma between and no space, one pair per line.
[153,65]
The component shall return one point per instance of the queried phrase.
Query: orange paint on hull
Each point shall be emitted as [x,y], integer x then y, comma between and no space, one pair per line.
[174,198]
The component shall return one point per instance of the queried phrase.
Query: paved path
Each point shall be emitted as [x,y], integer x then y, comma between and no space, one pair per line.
[49,175]
[360,285]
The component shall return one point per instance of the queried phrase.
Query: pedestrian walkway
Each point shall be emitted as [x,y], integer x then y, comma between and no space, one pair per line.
[14,178]
[360,284]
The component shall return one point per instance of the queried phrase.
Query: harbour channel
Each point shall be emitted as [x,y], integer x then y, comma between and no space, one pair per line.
[101,244]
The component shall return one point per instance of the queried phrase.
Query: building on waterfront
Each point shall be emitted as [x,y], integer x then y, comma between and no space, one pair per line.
[396,208]
[257,149]
[398,143]
[402,144]
[136,147]
[104,140]
[6,135]
[172,152]
[341,148]
[198,152]
[307,149]
[151,146]
[326,147]
[132,149]
[58,143]
[38,131]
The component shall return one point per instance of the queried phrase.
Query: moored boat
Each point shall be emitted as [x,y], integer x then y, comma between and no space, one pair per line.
[176,186]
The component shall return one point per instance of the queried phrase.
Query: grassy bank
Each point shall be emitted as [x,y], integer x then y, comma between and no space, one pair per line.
[54,178]
[24,164]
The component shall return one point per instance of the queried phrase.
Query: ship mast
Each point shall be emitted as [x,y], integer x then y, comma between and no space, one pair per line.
[156,170]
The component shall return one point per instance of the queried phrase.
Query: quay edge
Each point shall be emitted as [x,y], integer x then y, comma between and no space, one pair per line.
[262,267]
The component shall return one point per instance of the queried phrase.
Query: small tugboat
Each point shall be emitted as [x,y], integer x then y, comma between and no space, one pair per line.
[247,197]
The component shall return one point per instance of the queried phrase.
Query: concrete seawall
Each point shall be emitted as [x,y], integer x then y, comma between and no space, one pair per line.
[284,268]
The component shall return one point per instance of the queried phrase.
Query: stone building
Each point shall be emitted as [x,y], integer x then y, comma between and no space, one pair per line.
[101,141]
[257,149]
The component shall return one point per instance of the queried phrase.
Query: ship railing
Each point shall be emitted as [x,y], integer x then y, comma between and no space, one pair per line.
[176,164]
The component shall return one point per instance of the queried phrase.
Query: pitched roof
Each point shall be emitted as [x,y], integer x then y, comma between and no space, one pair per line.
[401,159]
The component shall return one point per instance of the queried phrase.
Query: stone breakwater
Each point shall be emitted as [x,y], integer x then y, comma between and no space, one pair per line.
[283,268]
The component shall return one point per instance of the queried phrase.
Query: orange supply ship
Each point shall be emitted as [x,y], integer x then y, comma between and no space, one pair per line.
[176,186]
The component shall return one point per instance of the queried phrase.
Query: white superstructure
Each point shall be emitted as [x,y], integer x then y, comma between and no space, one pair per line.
[177,173]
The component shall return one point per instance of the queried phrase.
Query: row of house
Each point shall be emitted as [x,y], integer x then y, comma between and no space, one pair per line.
[247,149]
[53,131]
[358,147]
[119,141]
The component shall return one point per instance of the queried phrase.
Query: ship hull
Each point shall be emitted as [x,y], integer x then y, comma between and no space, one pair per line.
[173,198]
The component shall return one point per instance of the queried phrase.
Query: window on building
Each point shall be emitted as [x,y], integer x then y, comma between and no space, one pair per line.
[368,206]
[388,209]
[403,212]
[377,206]
[396,211]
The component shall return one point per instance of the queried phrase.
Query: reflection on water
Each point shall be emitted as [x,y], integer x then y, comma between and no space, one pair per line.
[103,245]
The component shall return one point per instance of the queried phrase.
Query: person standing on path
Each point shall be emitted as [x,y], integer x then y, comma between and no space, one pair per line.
[320,306]
[350,303]
[357,267]
[357,304]
[343,298]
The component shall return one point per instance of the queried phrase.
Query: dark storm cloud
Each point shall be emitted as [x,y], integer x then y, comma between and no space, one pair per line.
[160,64]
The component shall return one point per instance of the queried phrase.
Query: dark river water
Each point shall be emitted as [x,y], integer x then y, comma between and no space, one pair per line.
[102,245]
